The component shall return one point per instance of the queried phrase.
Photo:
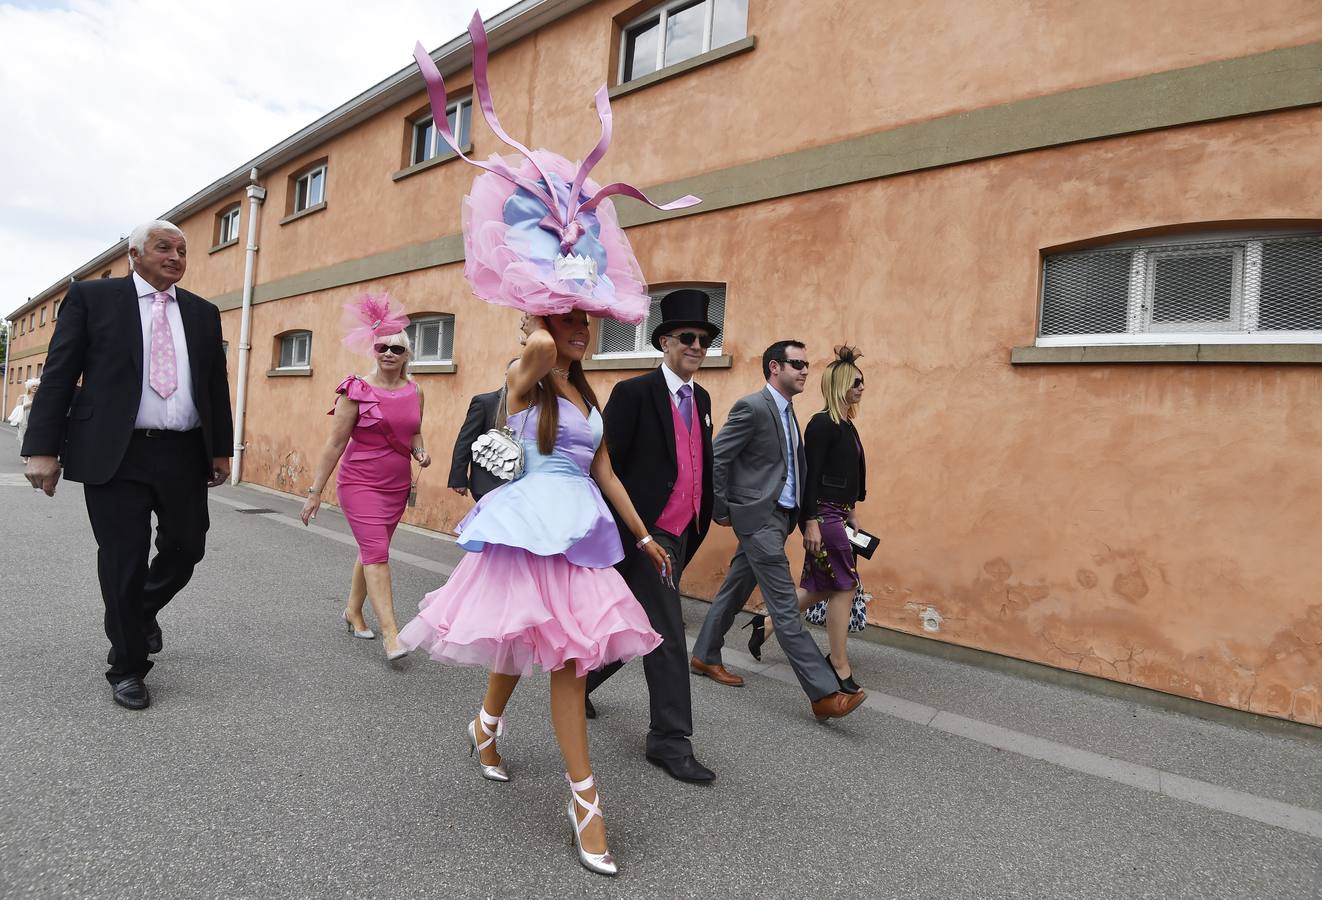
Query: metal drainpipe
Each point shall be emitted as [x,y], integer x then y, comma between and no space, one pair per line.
[9,364]
[256,194]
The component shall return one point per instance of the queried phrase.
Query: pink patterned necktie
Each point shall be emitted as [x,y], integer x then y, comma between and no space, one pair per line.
[162,376]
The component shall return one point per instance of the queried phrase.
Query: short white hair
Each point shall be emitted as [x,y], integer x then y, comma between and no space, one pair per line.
[31,383]
[403,339]
[138,236]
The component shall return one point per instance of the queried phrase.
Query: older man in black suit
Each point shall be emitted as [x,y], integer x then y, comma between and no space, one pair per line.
[148,432]
[658,433]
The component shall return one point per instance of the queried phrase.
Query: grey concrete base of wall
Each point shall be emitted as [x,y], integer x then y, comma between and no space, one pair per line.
[1090,683]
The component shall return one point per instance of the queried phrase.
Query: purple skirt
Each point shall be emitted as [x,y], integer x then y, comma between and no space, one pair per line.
[832,568]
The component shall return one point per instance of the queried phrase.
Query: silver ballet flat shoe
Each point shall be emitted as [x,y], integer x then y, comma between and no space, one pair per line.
[498,771]
[601,863]
[366,634]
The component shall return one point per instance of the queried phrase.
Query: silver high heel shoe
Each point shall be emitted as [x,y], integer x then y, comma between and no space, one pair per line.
[601,863]
[491,773]
[392,655]
[366,634]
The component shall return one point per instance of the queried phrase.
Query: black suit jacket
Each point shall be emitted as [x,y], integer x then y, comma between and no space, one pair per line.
[481,418]
[640,436]
[98,338]
[836,467]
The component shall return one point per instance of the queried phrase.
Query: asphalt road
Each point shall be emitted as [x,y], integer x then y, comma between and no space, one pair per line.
[280,758]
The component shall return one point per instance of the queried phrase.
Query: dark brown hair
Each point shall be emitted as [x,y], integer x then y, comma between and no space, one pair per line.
[549,422]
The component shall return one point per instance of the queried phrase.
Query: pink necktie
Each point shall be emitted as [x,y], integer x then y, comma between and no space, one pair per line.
[162,376]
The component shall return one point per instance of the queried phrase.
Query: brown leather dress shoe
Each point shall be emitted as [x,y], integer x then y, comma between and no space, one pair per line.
[837,705]
[717,673]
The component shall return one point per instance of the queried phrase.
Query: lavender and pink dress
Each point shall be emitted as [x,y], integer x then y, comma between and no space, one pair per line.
[538,586]
[375,471]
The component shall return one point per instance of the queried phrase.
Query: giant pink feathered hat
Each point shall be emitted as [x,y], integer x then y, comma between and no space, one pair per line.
[539,235]
[369,316]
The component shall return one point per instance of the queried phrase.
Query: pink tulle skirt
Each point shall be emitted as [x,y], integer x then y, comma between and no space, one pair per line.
[508,610]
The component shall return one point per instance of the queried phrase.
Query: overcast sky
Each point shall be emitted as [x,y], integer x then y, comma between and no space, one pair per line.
[114,111]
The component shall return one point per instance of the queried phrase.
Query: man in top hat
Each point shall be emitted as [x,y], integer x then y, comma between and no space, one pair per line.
[659,435]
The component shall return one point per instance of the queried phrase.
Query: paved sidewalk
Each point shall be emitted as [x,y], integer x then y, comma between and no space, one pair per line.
[282,759]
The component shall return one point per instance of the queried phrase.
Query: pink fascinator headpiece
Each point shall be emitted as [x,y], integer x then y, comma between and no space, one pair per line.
[539,234]
[371,315]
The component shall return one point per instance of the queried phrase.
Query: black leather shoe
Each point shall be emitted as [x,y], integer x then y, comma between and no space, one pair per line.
[758,637]
[588,709]
[154,643]
[684,768]
[131,693]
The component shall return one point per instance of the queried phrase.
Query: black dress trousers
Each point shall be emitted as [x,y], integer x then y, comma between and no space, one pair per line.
[164,473]
[667,667]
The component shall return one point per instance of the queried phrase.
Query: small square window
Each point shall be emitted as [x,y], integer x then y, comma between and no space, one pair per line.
[227,228]
[432,337]
[296,350]
[427,141]
[678,30]
[310,189]
[622,339]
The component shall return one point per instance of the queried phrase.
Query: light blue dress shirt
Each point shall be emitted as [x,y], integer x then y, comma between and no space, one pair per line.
[789,497]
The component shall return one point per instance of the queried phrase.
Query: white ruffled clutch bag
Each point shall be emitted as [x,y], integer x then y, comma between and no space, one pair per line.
[500,451]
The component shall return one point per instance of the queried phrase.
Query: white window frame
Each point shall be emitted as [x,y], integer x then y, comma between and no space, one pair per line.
[445,321]
[294,338]
[1246,248]
[662,13]
[305,193]
[229,222]
[643,348]
[438,147]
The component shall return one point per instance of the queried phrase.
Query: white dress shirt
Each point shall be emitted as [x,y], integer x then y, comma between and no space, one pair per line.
[177,412]
[674,383]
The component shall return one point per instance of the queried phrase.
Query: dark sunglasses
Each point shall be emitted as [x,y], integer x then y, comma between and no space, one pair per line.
[397,349]
[858,383]
[687,338]
[797,365]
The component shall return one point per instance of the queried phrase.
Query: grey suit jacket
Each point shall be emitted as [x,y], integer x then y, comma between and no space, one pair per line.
[749,464]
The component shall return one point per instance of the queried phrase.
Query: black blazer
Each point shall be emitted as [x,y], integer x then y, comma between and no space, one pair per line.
[640,436]
[480,419]
[836,468]
[98,338]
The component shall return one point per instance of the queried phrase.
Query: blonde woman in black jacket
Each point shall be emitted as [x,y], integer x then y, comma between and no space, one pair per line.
[835,479]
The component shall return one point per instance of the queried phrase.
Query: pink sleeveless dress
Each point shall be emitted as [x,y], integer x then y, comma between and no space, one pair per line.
[375,471]
[538,586]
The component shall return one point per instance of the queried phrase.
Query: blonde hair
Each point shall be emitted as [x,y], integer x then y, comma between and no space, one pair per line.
[838,380]
[403,338]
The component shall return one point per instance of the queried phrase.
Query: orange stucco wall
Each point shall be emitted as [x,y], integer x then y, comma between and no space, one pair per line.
[1148,524]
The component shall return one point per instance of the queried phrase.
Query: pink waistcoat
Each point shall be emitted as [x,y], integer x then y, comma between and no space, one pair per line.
[685,503]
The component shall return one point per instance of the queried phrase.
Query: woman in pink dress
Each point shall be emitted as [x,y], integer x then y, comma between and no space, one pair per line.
[376,432]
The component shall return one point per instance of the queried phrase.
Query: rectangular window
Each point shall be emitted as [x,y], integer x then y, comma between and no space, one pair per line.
[427,141]
[39,366]
[296,350]
[1256,289]
[55,309]
[679,30]
[43,316]
[310,189]
[432,338]
[227,228]
[618,339]
[32,322]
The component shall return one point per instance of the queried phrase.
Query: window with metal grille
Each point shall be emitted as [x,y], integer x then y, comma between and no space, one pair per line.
[432,337]
[622,339]
[1254,289]
[295,350]
[681,29]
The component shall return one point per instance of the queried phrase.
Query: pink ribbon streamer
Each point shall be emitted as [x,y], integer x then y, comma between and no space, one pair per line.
[563,217]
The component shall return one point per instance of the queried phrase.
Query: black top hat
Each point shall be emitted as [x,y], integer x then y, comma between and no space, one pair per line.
[684,308]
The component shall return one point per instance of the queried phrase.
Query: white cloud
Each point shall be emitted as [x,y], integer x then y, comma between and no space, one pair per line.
[116,110]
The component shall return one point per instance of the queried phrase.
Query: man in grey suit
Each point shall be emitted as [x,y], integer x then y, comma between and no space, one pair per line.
[757,471]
